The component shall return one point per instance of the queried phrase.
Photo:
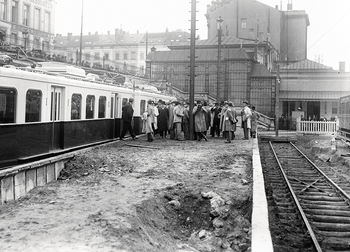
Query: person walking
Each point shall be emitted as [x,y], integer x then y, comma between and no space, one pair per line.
[199,121]
[254,122]
[186,121]
[246,114]
[178,115]
[127,117]
[148,120]
[171,120]
[163,120]
[228,121]
[216,112]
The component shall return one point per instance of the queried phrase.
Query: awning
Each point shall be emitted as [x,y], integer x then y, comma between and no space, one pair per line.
[311,95]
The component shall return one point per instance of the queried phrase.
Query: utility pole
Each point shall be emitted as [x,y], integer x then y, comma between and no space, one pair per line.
[192,64]
[81,32]
[219,28]
[278,82]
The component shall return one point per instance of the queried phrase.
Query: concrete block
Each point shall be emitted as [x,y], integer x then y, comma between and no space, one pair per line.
[20,184]
[7,189]
[50,172]
[30,179]
[59,167]
[41,176]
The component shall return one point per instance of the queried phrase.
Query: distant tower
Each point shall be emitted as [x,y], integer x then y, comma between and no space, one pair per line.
[290,5]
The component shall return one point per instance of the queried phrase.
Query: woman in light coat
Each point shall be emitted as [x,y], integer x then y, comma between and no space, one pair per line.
[200,125]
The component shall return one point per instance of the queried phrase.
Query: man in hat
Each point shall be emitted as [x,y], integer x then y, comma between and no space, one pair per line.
[127,116]
[246,114]
[178,115]
[216,112]
[199,112]
[186,121]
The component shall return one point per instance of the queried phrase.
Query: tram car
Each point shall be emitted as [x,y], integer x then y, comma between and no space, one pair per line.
[53,109]
[344,116]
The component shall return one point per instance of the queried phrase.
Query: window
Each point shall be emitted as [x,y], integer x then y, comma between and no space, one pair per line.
[26,15]
[125,56]
[97,55]
[76,107]
[47,22]
[36,19]
[334,108]
[102,107]
[33,105]
[112,106]
[90,106]
[117,56]
[133,55]
[142,56]
[106,56]
[87,56]
[15,12]
[8,97]
[3,7]
[142,106]
[243,23]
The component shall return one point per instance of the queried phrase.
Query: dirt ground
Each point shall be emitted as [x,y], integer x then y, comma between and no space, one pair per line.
[138,196]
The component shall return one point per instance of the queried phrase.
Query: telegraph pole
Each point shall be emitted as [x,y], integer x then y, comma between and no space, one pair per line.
[192,63]
[81,32]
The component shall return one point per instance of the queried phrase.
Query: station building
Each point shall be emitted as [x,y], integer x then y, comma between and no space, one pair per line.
[27,23]
[256,41]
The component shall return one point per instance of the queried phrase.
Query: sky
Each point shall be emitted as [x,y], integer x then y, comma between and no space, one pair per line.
[328,33]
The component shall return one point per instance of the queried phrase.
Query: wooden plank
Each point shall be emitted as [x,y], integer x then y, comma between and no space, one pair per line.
[50,173]
[7,189]
[30,179]
[20,185]
[41,176]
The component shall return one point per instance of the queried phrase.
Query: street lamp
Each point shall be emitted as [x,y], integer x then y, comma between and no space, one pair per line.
[25,36]
[219,28]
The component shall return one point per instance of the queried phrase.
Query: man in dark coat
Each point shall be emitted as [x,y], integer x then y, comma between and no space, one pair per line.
[216,112]
[163,119]
[127,116]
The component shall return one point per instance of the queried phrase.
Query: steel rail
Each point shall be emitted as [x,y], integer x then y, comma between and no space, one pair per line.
[323,174]
[301,211]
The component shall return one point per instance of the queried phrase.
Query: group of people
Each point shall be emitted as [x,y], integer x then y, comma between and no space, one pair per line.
[173,119]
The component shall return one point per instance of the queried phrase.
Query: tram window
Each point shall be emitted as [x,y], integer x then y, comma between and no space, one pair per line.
[102,107]
[33,105]
[76,107]
[8,98]
[142,106]
[90,106]
[124,101]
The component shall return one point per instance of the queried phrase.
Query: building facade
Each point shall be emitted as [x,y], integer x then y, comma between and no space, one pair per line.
[240,76]
[27,23]
[250,19]
[121,51]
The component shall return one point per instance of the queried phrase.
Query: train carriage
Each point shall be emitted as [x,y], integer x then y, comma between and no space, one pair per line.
[44,112]
[344,116]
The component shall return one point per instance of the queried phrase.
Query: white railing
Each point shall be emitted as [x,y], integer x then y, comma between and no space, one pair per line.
[317,127]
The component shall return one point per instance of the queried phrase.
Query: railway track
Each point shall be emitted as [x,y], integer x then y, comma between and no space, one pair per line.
[306,204]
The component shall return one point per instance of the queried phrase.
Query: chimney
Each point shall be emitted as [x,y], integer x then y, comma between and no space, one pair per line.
[153,49]
[342,66]
[276,7]
[289,6]
[89,33]
[69,36]
[256,50]
[96,33]
[108,32]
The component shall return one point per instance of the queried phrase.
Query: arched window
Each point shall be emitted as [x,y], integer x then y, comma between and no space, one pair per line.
[90,106]
[102,107]
[33,105]
[8,97]
[76,107]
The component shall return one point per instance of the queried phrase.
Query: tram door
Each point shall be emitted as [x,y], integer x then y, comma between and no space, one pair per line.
[56,104]
[56,114]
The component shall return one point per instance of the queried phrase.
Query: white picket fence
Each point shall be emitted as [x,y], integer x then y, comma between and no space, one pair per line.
[317,127]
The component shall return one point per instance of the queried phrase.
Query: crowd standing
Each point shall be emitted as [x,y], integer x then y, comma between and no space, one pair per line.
[172,120]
